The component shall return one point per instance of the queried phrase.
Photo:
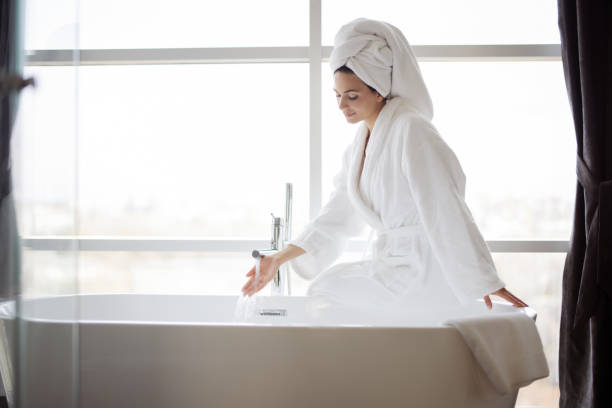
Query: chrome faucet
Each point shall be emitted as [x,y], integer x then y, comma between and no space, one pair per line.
[281,234]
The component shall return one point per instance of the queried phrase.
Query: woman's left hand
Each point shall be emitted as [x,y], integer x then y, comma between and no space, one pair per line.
[505,294]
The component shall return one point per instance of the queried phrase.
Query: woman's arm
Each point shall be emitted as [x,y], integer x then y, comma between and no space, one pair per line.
[289,252]
[437,185]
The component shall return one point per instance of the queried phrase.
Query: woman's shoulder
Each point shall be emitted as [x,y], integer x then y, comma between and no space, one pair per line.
[410,126]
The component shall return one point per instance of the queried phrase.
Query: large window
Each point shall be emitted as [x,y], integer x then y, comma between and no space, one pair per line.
[167,150]
[160,137]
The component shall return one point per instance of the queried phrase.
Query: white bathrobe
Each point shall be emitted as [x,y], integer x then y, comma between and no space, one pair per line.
[411,192]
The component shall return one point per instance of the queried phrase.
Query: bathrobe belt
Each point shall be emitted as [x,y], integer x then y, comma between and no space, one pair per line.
[405,230]
[396,241]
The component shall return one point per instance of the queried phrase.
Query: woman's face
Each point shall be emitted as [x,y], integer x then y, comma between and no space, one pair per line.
[356,101]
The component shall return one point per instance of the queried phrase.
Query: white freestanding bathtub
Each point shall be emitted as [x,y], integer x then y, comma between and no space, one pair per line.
[187,351]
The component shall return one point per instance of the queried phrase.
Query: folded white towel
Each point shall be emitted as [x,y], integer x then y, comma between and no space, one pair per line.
[507,347]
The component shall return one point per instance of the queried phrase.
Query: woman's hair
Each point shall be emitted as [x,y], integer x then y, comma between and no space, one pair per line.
[347,70]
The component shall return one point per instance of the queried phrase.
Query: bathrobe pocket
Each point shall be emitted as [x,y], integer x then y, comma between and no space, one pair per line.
[398,263]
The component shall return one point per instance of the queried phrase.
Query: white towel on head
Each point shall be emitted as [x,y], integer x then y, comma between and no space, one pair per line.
[379,54]
[507,347]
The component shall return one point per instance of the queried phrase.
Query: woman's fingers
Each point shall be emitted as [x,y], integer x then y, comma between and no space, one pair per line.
[247,286]
[488,302]
[254,285]
[257,282]
[506,294]
[515,301]
[260,285]
[250,291]
[251,284]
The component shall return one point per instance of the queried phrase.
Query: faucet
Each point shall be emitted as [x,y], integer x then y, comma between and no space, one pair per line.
[281,234]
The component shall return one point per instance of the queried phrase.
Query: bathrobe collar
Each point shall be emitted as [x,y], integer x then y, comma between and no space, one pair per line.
[379,133]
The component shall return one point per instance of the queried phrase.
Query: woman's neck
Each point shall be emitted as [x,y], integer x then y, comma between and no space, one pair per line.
[370,123]
[366,142]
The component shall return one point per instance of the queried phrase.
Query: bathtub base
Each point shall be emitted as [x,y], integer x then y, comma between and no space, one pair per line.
[280,367]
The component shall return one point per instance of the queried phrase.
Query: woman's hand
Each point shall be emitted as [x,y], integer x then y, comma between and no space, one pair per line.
[505,294]
[268,267]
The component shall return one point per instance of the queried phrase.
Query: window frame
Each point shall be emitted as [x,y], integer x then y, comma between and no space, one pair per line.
[314,54]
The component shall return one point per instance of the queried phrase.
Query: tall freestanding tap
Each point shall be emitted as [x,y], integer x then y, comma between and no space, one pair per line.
[281,234]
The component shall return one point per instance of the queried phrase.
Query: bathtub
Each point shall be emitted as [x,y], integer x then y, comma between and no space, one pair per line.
[188,351]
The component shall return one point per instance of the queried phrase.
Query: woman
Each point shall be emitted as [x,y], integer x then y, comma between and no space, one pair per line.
[399,177]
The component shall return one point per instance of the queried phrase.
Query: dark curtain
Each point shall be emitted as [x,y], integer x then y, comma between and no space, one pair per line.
[5,10]
[585,350]
[11,83]
[11,56]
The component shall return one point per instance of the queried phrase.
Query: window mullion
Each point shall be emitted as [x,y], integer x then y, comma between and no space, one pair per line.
[315,58]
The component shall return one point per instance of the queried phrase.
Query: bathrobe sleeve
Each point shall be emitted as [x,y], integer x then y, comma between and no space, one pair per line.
[325,237]
[437,185]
